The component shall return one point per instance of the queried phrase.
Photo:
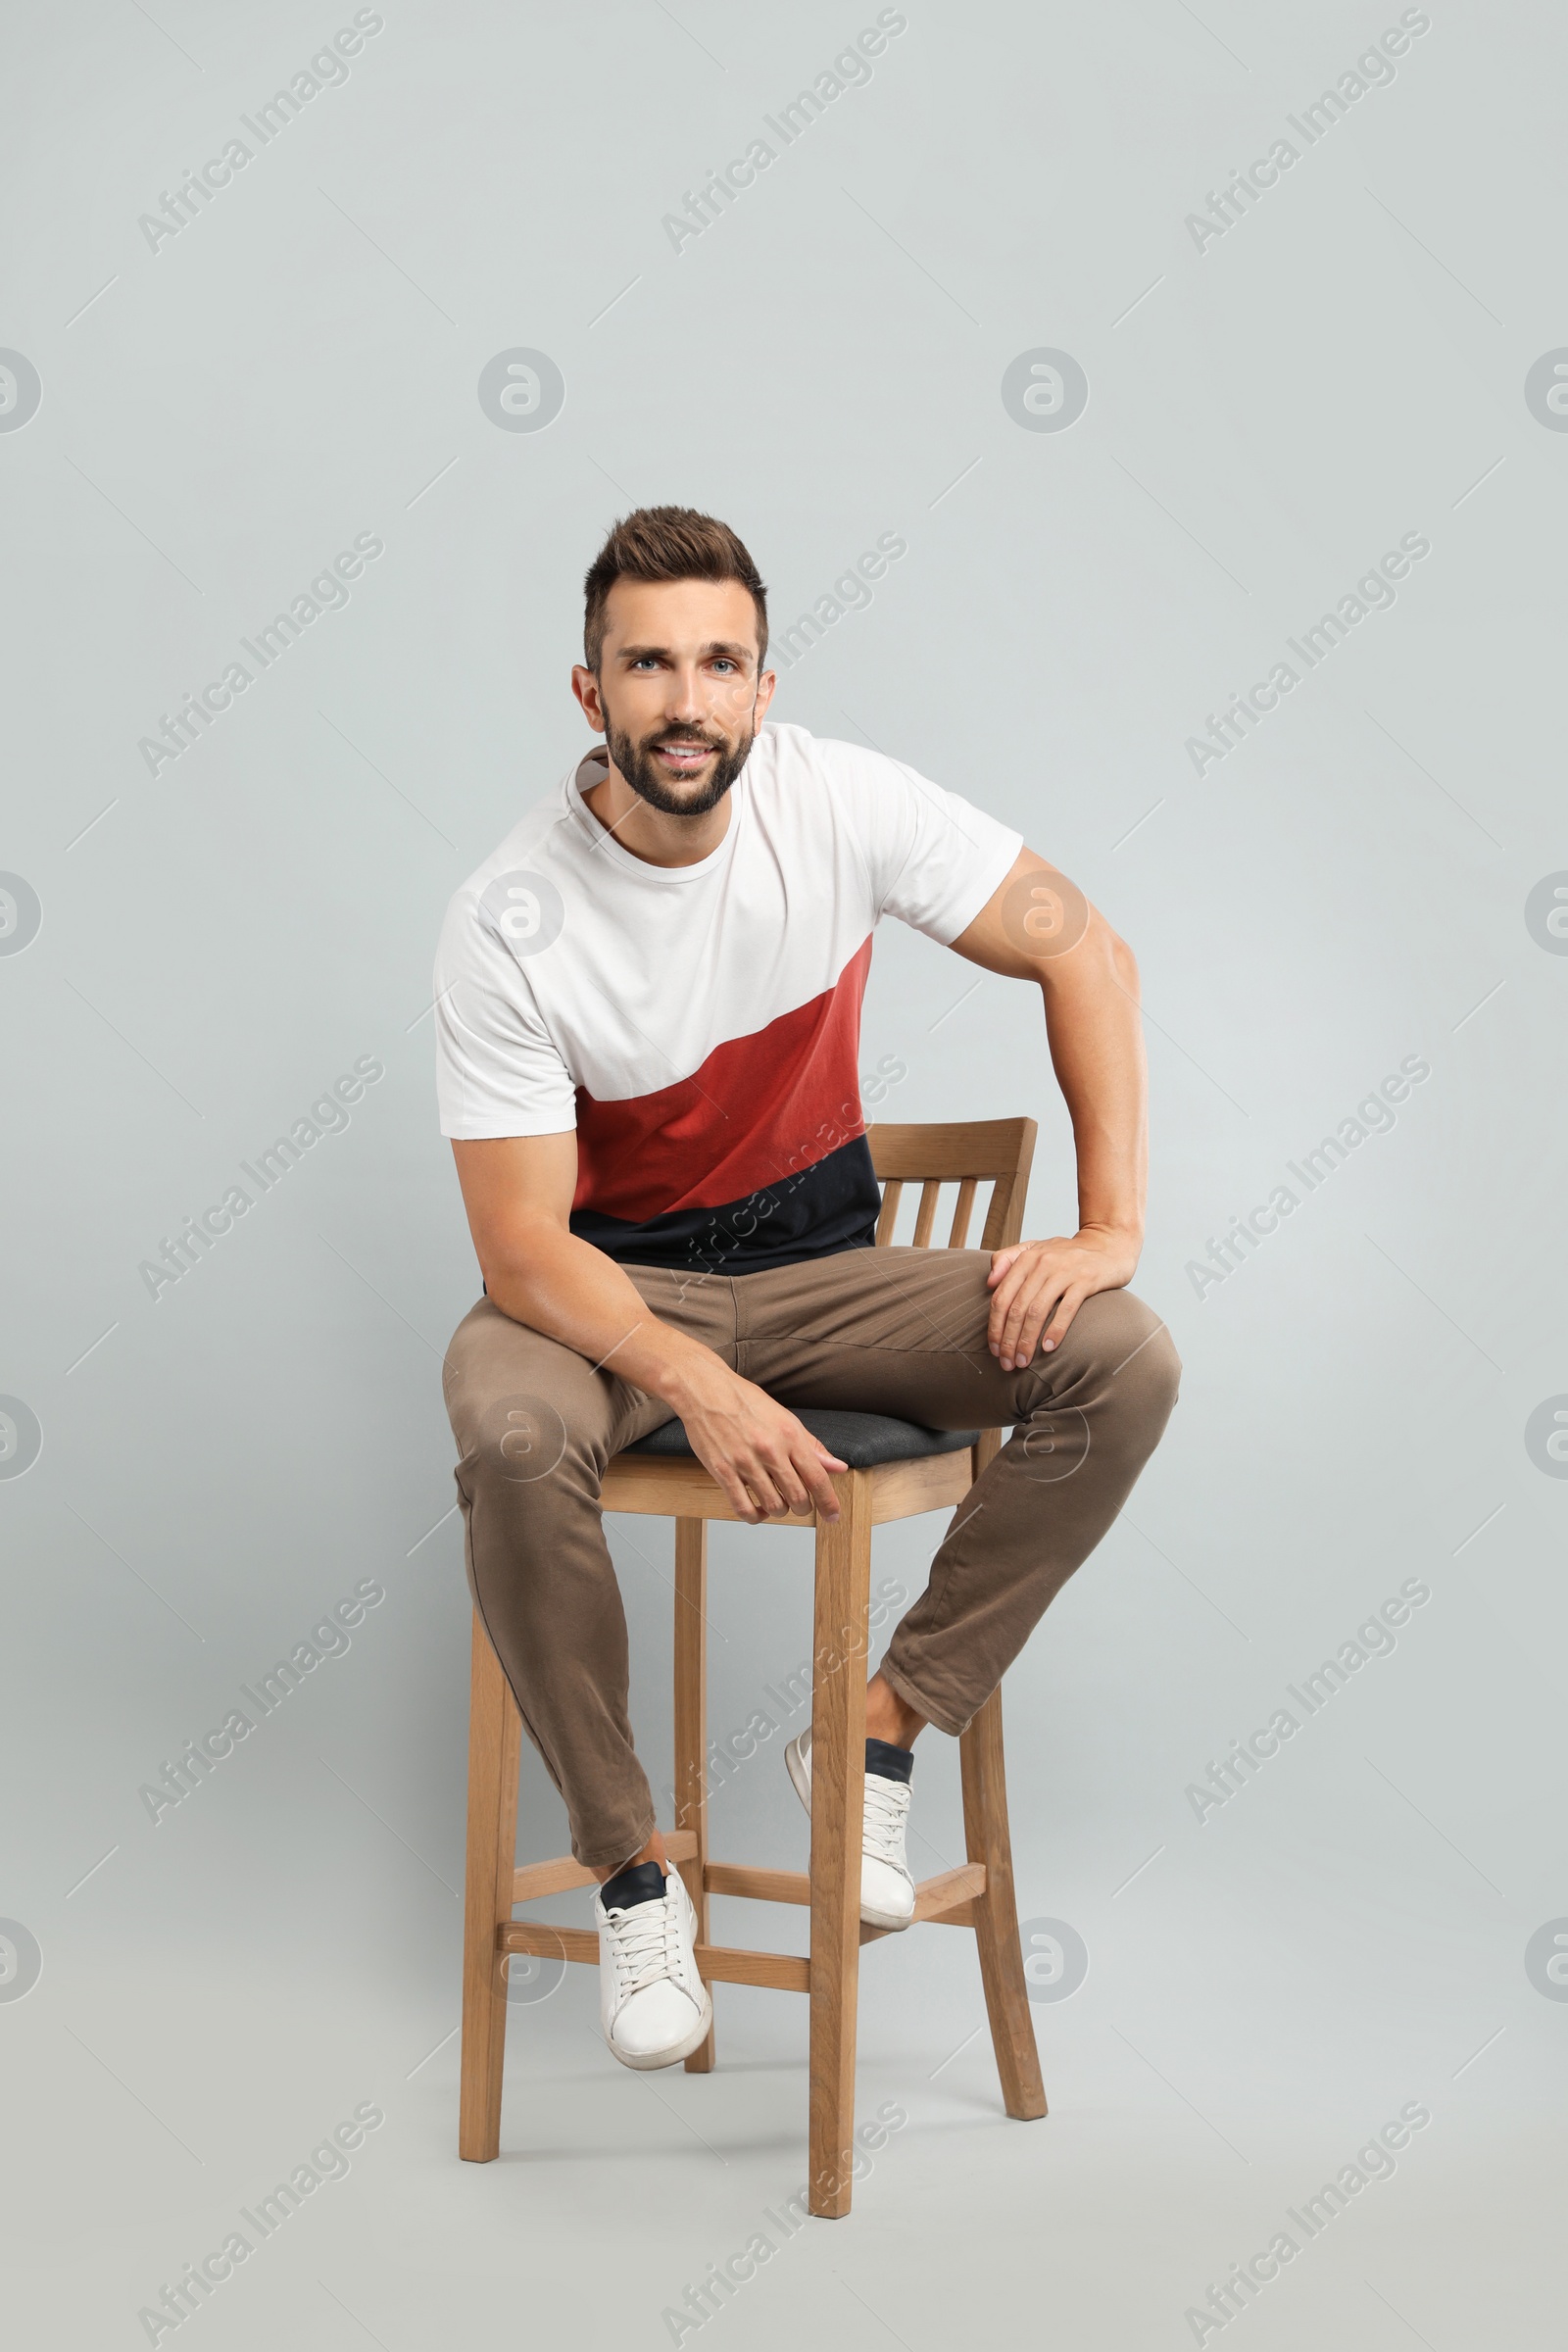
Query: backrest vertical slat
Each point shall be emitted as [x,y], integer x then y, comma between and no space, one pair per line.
[930,1194]
[967,1153]
[890,1210]
[1000,1216]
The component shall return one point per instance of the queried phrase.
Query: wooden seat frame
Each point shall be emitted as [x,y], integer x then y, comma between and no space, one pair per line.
[978,1894]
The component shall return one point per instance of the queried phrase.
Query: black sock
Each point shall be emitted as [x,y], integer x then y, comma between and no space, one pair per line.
[890,1763]
[634,1883]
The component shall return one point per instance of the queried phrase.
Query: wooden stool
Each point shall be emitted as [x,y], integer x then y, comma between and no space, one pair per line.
[662,1476]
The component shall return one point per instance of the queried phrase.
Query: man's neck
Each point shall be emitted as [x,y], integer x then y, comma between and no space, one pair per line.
[649,833]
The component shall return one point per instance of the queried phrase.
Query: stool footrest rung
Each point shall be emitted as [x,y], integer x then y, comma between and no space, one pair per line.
[945,1898]
[557,1877]
[949,1899]
[784,1972]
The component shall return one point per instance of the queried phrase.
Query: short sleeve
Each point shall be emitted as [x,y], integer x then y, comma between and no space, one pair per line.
[934,857]
[497,1069]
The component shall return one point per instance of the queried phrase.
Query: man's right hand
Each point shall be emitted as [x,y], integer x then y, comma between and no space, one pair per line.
[768,1462]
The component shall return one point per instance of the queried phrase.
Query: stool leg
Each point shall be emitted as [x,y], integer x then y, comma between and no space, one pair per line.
[838,1805]
[495,1753]
[986,1839]
[690,1728]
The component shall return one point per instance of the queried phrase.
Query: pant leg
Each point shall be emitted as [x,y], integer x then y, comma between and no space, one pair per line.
[535,1424]
[904,1331]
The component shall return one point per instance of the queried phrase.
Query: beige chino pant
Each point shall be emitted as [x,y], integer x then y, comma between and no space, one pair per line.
[895,1331]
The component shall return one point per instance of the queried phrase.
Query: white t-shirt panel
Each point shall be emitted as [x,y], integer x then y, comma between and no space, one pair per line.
[568,967]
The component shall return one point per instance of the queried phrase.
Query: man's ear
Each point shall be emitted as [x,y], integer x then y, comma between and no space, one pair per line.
[585,686]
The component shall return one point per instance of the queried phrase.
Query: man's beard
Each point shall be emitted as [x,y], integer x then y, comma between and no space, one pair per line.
[635,762]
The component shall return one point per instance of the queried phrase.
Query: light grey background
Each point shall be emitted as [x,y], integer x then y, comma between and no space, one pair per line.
[823,363]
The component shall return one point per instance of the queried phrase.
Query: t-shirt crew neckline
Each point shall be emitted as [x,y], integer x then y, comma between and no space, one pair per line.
[589,772]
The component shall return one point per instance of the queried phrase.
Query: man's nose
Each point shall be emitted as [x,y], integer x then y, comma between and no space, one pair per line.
[685,699]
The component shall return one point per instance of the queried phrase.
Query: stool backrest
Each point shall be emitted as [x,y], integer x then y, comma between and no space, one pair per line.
[966,1153]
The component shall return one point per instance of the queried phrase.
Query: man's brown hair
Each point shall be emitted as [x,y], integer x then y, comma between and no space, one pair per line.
[667,543]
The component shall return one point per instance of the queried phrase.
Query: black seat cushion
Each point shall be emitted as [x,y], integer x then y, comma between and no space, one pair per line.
[862,1440]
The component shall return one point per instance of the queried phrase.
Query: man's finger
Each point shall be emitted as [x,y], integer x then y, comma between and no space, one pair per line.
[814,1467]
[1067,1307]
[1008,1307]
[1036,1308]
[791,1483]
[741,1503]
[1008,1289]
[819,1485]
[795,1478]
[754,1488]
[766,1485]
[1027,1317]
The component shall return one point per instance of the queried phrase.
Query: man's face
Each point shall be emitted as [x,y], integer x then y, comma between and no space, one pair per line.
[678,692]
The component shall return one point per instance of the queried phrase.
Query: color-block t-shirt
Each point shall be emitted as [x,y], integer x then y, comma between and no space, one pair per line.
[699,1025]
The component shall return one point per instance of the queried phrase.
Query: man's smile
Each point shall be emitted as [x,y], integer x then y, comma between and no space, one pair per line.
[684,758]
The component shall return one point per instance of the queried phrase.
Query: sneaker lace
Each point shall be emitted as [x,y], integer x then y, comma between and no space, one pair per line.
[646,1940]
[887,1808]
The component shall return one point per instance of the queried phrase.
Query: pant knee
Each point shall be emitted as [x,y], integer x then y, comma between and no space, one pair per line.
[1145,1369]
[518,1451]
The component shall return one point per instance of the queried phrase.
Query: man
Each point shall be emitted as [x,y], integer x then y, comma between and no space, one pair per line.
[648,1016]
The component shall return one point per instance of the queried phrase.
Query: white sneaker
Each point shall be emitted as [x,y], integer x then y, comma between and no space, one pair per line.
[887,1886]
[653,2004]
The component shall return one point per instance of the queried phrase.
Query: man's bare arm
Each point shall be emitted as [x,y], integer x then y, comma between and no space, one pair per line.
[1039,926]
[518,1191]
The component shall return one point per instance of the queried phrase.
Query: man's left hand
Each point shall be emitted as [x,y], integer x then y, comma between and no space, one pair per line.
[1039,1287]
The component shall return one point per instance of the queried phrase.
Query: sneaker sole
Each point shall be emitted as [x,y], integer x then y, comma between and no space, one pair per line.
[802,1781]
[648,2062]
